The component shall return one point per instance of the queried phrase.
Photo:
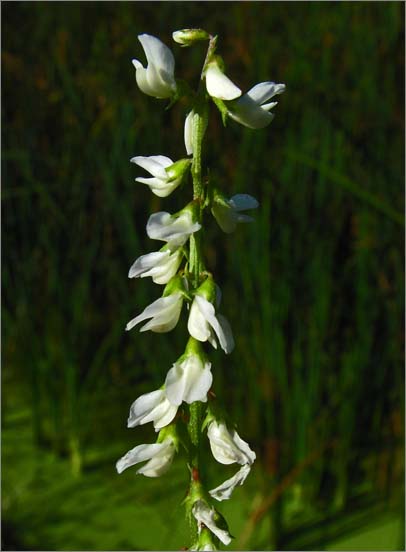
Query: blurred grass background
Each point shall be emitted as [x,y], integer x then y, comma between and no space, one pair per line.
[313,289]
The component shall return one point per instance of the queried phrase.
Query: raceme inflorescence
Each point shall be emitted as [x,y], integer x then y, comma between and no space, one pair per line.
[184,409]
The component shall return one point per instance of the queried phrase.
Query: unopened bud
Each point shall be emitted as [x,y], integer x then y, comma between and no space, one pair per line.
[187,37]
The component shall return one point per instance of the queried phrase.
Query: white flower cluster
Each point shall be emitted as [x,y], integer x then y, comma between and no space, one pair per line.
[189,379]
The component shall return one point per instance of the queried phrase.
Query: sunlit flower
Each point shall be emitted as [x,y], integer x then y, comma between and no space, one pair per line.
[207,516]
[188,132]
[160,265]
[251,110]
[173,229]
[158,78]
[227,211]
[164,314]
[160,456]
[224,491]
[219,85]
[204,324]
[166,175]
[227,446]
[165,311]
[152,407]
[189,379]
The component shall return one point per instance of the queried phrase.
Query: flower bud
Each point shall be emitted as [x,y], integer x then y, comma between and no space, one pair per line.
[187,37]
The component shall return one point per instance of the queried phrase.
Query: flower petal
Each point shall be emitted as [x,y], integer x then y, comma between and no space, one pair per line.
[224,334]
[158,79]
[165,268]
[189,381]
[174,230]
[224,491]
[219,85]
[204,514]
[157,53]
[146,262]
[264,91]
[219,324]
[248,113]
[241,202]
[227,447]
[188,132]
[152,407]
[164,313]
[154,164]
[197,324]
[160,462]
[139,454]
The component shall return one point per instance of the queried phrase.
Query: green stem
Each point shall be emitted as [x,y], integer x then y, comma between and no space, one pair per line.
[196,264]
[199,128]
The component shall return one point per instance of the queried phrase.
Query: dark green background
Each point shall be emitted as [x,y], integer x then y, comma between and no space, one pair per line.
[313,289]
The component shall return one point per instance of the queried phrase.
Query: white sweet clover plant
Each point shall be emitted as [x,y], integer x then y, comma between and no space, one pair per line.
[182,400]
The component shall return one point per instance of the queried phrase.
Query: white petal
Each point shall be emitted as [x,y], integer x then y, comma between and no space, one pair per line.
[154,164]
[240,202]
[188,381]
[188,132]
[248,113]
[174,230]
[224,491]
[224,334]
[166,268]
[244,447]
[228,447]
[168,316]
[158,80]
[139,454]
[164,312]
[220,86]
[197,325]
[219,324]
[161,188]
[146,262]
[264,91]
[143,406]
[152,407]
[158,54]
[204,514]
[160,462]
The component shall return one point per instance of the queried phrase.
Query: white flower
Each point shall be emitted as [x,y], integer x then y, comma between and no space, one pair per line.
[203,324]
[160,265]
[224,491]
[188,380]
[218,85]
[158,78]
[166,175]
[188,132]
[175,230]
[164,314]
[251,110]
[227,212]
[160,456]
[228,447]
[204,514]
[152,407]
